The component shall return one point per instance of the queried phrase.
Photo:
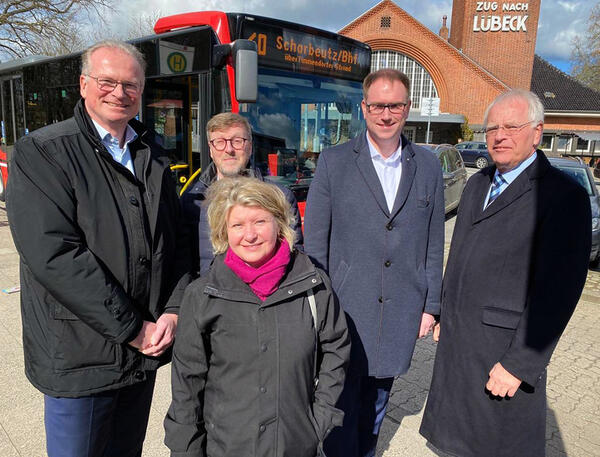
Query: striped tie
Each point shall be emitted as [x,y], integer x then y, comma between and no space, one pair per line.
[496,185]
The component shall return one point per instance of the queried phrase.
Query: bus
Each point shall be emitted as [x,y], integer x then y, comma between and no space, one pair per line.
[300,88]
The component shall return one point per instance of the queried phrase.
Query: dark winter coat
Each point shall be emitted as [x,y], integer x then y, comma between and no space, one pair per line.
[514,275]
[194,211]
[243,370]
[385,267]
[67,218]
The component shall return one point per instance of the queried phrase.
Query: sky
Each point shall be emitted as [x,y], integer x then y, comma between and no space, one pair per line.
[560,20]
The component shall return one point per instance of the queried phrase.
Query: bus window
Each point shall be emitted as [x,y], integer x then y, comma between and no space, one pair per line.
[19,106]
[300,115]
[8,133]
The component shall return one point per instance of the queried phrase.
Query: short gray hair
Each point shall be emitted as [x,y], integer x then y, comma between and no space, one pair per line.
[127,48]
[224,121]
[535,111]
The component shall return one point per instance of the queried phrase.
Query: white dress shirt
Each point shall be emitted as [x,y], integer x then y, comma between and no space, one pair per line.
[388,170]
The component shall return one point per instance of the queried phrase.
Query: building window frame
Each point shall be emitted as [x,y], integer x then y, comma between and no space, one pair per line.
[422,84]
[552,136]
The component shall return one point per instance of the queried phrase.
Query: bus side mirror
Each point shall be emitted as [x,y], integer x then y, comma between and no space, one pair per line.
[245,64]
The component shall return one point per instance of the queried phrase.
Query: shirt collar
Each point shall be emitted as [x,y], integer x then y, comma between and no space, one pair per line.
[395,157]
[511,175]
[130,134]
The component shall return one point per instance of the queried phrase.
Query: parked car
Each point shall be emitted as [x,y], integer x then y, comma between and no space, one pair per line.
[474,153]
[581,173]
[454,172]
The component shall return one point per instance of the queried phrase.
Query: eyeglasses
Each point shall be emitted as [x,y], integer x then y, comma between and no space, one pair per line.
[378,108]
[108,85]
[237,142]
[509,130]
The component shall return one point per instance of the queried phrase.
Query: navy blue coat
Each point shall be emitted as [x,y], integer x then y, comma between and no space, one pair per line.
[514,275]
[196,218]
[386,268]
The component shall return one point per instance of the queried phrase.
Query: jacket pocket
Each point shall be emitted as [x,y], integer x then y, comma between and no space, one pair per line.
[339,277]
[78,346]
[423,202]
[499,317]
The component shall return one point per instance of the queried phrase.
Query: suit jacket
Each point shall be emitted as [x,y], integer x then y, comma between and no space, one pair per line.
[514,275]
[385,266]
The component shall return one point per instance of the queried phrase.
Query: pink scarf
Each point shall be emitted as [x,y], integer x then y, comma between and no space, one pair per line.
[262,280]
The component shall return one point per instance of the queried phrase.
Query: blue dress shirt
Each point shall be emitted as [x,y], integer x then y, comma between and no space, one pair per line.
[121,155]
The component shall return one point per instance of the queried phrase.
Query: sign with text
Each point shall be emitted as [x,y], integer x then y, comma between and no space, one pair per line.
[295,50]
[500,16]
[430,106]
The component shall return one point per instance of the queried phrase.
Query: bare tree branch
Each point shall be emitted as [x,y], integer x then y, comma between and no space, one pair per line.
[585,55]
[45,26]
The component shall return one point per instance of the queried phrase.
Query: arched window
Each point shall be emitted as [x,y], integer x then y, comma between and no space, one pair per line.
[421,84]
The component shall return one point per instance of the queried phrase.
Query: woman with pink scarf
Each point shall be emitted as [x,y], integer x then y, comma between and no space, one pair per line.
[262,344]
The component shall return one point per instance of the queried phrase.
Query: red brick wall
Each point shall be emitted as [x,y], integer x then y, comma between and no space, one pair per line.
[569,124]
[506,54]
[463,86]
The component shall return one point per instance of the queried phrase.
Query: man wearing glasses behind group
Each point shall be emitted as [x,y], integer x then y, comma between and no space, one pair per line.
[95,217]
[375,222]
[230,141]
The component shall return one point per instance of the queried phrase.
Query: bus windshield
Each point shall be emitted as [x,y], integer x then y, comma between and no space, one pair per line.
[296,117]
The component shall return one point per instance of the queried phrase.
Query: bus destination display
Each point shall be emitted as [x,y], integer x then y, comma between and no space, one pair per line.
[298,51]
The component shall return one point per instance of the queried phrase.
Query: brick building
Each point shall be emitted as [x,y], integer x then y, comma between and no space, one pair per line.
[489,49]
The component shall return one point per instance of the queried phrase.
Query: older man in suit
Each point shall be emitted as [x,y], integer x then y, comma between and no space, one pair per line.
[375,222]
[517,266]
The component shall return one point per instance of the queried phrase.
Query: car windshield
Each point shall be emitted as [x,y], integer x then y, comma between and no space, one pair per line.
[580,176]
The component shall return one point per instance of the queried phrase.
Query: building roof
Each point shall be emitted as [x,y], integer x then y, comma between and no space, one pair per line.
[559,91]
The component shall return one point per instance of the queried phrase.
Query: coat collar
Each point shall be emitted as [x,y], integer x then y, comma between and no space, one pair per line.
[517,188]
[209,175]
[157,165]
[301,276]
[367,170]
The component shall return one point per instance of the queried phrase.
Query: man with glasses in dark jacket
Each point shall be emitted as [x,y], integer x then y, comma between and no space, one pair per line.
[230,142]
[95,217]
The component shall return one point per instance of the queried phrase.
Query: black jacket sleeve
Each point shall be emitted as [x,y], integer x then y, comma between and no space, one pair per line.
[559,270]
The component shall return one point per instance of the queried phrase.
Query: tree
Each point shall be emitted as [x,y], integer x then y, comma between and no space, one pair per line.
[466,131]
[586,52]
[44,26]
[142,25]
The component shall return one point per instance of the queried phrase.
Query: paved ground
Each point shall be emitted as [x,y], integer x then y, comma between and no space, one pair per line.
[573,387]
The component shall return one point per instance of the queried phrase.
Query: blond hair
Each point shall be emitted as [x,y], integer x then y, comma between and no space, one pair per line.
[226,193]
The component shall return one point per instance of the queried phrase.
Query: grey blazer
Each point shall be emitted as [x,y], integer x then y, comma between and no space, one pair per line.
[386,268]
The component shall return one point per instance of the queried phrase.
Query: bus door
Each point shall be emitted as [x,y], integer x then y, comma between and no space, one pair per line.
[12,112]
[168,111]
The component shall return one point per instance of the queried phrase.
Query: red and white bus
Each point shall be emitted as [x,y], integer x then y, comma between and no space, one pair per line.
[300,88]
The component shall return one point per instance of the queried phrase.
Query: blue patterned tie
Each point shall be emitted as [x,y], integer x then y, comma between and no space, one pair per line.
[496,185]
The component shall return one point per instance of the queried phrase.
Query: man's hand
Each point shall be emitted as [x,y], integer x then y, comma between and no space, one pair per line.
[501,382]
[143,340]
[436,332]
[427,323]
[163,336]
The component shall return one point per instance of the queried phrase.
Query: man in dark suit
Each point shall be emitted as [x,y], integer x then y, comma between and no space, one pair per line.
[517,266]
[375,222]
